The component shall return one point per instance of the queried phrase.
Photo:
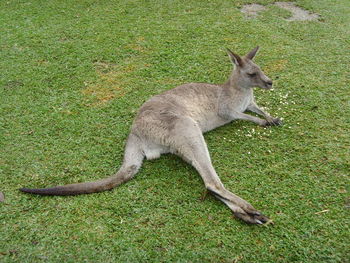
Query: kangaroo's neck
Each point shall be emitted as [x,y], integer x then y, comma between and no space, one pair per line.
[235,94]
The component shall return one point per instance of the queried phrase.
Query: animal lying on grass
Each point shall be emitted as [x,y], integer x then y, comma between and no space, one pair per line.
[174,121]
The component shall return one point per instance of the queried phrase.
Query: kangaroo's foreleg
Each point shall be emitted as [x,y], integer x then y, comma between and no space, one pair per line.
[247,117]
[253,107]
[189,143]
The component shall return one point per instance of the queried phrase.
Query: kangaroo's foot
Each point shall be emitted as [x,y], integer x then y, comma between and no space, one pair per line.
[243,210]
[252,217]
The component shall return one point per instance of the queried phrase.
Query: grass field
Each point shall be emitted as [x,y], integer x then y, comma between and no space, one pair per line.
[73,74]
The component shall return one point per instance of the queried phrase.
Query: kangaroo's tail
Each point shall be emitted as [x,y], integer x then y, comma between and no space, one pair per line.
[132,162]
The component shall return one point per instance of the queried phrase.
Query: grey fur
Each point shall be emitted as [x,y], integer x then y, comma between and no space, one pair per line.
[174,122]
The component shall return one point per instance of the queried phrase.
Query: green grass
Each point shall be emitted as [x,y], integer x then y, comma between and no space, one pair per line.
[73,74]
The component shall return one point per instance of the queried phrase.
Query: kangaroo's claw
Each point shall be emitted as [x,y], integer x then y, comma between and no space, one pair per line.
[252,217]
[273,122]
[277,121]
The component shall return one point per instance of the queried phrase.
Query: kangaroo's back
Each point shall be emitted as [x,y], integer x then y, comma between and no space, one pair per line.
[198,101]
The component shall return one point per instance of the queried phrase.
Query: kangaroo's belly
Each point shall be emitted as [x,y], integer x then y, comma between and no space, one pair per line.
[210,121]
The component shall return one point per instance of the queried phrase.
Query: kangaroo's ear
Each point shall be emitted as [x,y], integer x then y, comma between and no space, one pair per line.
[252,53]
[236,59]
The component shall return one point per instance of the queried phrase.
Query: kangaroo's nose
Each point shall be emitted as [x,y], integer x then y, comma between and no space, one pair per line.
[269,82]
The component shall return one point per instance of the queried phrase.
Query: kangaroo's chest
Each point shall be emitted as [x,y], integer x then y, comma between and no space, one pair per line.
[240,103]
[237,102]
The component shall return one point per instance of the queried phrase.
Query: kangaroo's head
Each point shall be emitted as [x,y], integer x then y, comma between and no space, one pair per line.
[247,74]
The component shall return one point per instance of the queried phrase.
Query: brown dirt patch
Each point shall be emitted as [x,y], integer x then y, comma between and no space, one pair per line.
[298,14]
[252,10]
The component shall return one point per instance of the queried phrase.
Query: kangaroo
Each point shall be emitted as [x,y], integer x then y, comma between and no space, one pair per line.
[174,122]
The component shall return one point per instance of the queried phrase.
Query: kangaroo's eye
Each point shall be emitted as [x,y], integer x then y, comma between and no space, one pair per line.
[252,74]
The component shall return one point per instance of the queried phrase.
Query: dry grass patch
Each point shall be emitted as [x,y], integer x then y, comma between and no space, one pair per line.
[109,86]
[276,66]
[114,81]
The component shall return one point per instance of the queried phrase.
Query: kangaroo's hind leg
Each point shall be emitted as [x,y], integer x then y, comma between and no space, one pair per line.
[188,142]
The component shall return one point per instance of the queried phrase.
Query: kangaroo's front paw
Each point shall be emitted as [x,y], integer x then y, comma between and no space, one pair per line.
[273,122]
[252,217]
[277,121]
